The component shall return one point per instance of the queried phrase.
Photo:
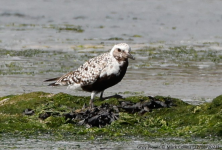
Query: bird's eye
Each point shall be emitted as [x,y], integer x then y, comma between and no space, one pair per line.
[119,50]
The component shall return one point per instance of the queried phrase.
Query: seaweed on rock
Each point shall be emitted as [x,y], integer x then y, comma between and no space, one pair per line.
[158,116]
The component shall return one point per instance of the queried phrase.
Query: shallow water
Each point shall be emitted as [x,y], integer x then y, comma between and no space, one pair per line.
[132,143]
[35,24]
[66,33]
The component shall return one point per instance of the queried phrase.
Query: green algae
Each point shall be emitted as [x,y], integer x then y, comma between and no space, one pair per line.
[68,28]
[115,39]
[65,27]
[180,120]
[25,53]
[136,35]
[60,27]
[179,56]
[19,62]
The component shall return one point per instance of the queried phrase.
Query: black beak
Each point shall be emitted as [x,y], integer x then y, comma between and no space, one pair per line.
[130,56]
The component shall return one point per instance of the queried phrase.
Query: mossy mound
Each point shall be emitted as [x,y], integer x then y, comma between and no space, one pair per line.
[177,119]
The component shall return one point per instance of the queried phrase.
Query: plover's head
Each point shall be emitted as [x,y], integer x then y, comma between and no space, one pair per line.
[121,52]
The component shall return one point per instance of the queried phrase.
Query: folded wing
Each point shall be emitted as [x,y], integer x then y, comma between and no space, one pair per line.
[86,74]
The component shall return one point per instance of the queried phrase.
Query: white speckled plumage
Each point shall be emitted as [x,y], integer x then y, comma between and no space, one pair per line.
[90,76]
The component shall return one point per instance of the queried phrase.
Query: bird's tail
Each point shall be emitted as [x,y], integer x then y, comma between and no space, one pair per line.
[63,80]
[53,79]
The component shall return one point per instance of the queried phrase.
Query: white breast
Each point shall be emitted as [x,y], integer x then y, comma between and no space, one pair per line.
[112,68]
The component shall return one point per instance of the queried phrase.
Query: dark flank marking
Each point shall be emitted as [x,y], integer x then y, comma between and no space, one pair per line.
[107,81]
[69,82]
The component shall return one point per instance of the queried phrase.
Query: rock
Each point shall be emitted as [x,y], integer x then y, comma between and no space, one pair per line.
[95,117]
[70,115]
[47,114]
[106,113]
[28,111]
[144,105]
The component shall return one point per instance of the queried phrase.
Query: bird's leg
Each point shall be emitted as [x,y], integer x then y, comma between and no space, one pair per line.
[101,95]
[91,100]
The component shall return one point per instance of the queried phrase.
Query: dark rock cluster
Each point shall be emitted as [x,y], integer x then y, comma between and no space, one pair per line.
[96,116]
[28,112]
[47,114]
[106,113]
[145,105]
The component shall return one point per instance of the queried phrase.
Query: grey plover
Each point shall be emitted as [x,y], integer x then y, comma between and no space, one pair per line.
[98,73]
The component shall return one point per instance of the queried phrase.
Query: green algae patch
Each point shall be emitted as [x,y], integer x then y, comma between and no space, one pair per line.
[178,119]
[24,53]
[66,27]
